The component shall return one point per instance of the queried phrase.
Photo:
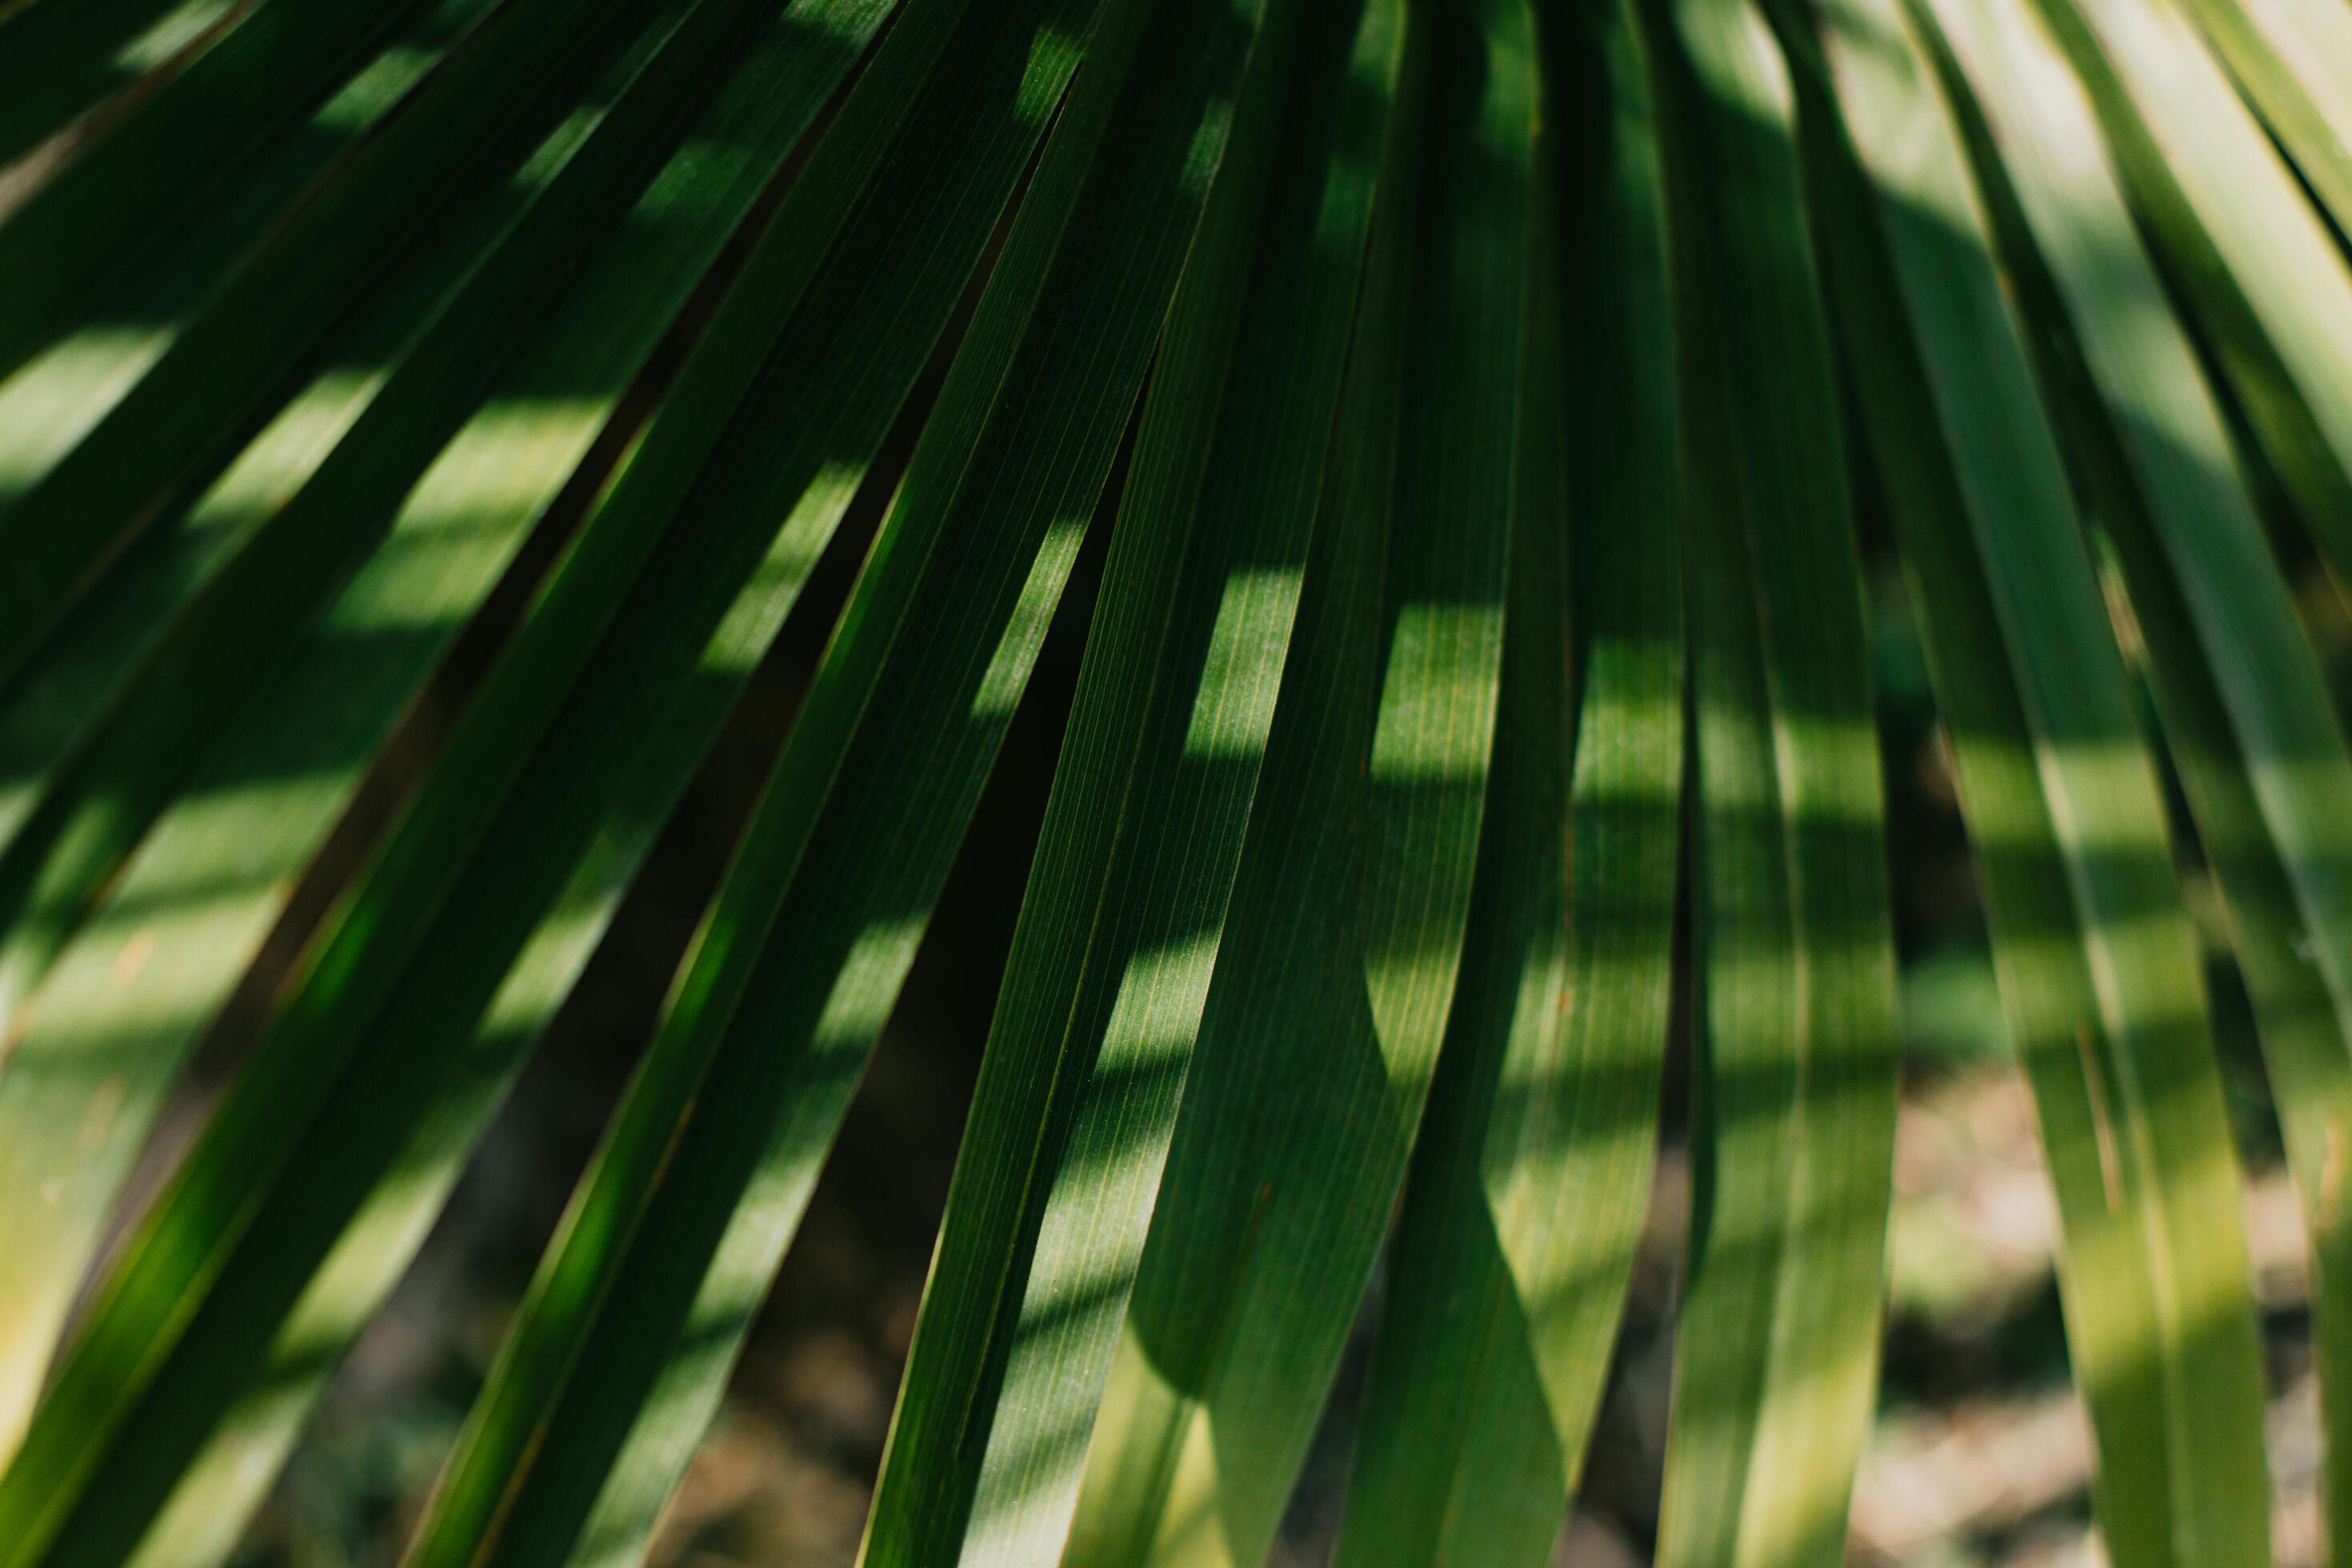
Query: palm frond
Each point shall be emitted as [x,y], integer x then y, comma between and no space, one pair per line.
[420,423]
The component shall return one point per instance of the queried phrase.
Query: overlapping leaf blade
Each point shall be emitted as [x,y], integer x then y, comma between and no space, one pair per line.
[56,61]
[1516,1241]
[2242,695]
[653,1283]
[2294,59]
[2265,279]
[398,1121]
[229,364]
[1794,1099]
[91,1062]
[96,356]
[2097,963]
[1112,966]
[1322,1028]
[91,218]
[319,314]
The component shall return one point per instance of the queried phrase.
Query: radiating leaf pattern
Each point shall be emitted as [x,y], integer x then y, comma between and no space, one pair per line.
[419,421]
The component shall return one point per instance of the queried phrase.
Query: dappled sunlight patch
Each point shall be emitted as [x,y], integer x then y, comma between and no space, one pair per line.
[53,401]
[504,460]
[358,101]
[748,627]
[1052,48]
[171,33]
[1437,704]
[1160,995]
[1007,673]
[1241,674]
[265,475]
[867,981]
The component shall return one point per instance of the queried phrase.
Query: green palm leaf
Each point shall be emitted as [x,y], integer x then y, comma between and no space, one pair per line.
[2243,699]
[1515,1244]
[598,340]
[2099,966]
[2269,285]
[421,424]
[1795,1083]
[91,1065]
[915,691]
[1322,1030]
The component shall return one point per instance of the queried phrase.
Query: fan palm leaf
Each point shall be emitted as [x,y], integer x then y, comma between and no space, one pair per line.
[420,423]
